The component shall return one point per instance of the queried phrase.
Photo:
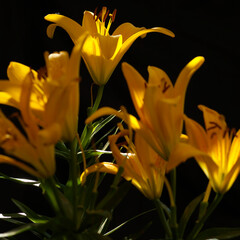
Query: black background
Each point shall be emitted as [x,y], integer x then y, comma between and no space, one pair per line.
[202,28]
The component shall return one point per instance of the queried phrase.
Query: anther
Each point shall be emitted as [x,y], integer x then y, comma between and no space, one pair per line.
[95,13]
[105,16]
[113,15]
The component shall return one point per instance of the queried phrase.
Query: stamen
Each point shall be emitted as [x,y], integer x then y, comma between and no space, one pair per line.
[42,73]
[103,13]
[113,15]
[99,15]
[95,14]
[105,16]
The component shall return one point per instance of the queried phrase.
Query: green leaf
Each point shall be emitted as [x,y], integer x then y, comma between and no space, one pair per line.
[20,180]
[11,217]
[219,233]
[128,221]
[31,215]
[188,213]
[61,150]
[97,126]
[24,228]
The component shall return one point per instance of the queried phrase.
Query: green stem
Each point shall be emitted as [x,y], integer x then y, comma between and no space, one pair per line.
[98,99]
[49,186]
[173,178]
[199,225]
[163,219]
[87,131]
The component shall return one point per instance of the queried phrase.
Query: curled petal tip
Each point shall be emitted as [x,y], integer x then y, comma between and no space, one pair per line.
[197,61]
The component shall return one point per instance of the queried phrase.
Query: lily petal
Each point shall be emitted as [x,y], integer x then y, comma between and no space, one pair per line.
[17,72]
[196,134]
[12,161]
[136,86]
[184,77]
[183,152]
[214,122]
[159,78]
[110,45]
[127,30]
[70,26]
[89,23]
[129,41]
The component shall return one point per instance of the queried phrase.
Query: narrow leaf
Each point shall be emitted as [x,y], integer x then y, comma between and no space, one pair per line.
[188,213]
[219,233]
[31,215]
[20,180]
[13,232]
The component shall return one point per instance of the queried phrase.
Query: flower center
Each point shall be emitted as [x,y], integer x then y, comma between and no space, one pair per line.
[100,19]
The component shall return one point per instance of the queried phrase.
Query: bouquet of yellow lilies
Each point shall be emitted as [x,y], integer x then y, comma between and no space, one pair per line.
[143,151]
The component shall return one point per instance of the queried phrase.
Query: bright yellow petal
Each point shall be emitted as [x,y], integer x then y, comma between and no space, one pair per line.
[234,151]
[74,29]
[184,77]
[230,177]
[110,45]
[17,72]
[106,167]
[7,99]
[183,152]
[89,22]
[136,86]
[162,117]
[158,77]
[196,134]
[214,122]
[129,41]
[127,30]
[75,57]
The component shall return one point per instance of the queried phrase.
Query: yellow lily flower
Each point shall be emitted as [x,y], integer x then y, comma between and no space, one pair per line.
[55,91]
[160,107]
[143,166]
[32,151]
[101,51]
[220,147]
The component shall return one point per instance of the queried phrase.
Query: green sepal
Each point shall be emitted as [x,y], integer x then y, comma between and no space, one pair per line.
[219,233]
[189,210]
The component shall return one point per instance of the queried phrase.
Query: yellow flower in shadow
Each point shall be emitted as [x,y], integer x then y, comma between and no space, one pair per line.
[32,148]
[142,166]
[55,91]
[102,51]
[220,148]
[160,107]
